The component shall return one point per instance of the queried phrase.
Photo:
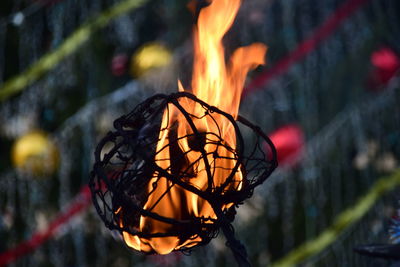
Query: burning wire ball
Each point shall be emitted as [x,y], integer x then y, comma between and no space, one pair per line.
[173,171]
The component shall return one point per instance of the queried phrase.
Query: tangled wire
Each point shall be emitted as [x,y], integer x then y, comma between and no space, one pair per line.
[173,171]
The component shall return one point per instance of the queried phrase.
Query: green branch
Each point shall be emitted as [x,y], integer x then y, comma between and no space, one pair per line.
[342,222]
[69,46]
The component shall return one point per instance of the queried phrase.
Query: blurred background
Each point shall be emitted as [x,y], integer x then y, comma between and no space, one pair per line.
[328,98]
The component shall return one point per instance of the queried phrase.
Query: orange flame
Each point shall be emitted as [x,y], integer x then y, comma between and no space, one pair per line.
[219,85]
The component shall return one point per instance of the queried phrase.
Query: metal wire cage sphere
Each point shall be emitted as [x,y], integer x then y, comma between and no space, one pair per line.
[174,170]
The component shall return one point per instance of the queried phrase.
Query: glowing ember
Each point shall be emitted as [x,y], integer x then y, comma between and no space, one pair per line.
[220,86]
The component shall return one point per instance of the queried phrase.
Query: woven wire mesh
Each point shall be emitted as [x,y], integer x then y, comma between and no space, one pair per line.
[136,169]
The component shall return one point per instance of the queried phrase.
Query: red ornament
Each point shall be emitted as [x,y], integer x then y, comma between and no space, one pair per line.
[289,143]
[386,64]
[119,64]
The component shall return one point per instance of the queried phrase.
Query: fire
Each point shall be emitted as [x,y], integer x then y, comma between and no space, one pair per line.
[219,84]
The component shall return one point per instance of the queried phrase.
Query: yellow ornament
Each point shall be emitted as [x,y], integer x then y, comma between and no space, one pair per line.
[148,57]
[35,153]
